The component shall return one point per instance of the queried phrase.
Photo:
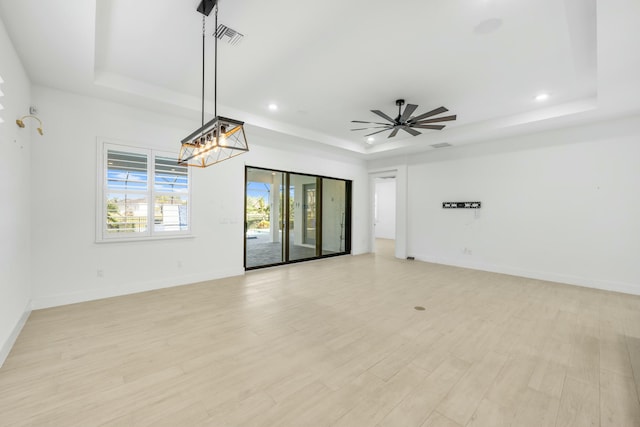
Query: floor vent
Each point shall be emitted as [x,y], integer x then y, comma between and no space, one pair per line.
[441,145]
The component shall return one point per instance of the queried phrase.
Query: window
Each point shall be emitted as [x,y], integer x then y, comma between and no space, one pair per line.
[143,194]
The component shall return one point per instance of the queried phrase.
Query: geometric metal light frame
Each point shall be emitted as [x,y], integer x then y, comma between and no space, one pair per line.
[220,139]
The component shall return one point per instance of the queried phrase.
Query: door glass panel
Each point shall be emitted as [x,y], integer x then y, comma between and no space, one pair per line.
[302,218]
[291,217]
[264,217]
[333,216]
[309,215]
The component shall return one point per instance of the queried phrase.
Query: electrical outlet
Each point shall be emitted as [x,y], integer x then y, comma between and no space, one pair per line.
[100,272]
[179,263]
[467,251]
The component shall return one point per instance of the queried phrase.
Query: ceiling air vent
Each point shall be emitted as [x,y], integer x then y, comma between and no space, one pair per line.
[441,145]
[229,35]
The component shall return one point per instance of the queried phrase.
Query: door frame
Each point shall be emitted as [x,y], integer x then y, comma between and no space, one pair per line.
[400,173]
[346,222]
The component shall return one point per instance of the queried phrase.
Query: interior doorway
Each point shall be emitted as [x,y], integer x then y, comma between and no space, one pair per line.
[384,215]
[385,208]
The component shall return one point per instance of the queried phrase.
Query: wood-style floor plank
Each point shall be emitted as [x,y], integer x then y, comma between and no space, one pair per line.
[619,404]
[579,405]
[333,343]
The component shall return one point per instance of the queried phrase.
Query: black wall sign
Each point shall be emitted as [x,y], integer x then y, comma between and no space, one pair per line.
[461,205]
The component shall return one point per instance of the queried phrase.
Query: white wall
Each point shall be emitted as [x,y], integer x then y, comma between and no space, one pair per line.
[562,205]
[15,211]
[64,171]
[386,209]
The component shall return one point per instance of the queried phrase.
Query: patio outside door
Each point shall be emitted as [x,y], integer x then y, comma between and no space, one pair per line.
[291,217]
[264,210]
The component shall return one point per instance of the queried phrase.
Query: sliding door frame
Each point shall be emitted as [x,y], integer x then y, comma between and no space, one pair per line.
[286,212]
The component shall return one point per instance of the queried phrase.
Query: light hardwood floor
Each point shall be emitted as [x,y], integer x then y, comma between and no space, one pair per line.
[333,343]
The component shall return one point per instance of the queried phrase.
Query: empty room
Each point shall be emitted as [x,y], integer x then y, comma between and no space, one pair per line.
[340,213]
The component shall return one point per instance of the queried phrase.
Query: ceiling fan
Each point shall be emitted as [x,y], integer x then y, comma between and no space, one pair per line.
[406,122]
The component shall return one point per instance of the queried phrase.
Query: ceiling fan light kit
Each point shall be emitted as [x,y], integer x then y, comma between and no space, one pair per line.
[406,122]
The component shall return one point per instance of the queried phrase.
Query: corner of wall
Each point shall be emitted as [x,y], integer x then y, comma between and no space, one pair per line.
[6,347]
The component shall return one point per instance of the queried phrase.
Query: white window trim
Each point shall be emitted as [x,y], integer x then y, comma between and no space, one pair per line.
[101,190]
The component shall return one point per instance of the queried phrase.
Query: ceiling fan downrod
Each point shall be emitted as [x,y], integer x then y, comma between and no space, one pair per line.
[399,103]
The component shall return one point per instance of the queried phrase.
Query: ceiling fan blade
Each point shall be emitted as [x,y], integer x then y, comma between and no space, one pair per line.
[408,111]
[372,127]
[374,123]
[383,130]
[411,131]
[428,114]
[394,132]
[437,119]
[383,115]
[434,127]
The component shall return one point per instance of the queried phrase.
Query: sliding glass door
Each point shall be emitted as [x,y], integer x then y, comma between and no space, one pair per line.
[291,217]
[334,215]
[302,228]
[264,210]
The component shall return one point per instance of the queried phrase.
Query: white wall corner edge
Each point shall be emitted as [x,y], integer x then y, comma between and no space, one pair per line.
[6,347]
[128,289]
[585,282]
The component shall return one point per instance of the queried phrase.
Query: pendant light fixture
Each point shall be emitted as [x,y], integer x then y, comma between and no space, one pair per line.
[222,137]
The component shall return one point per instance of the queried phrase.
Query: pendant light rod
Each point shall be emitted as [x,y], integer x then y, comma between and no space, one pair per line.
[221,138]
[215,65]
[203,37]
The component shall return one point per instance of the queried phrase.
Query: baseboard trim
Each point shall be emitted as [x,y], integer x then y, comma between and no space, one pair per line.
[605,285]
[128,289]
[8,344]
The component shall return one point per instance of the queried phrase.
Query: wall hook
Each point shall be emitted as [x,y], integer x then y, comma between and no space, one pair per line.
[20,122]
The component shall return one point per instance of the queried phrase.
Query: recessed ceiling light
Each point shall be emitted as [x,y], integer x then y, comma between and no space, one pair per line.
[370,139]
[273,107]
[542,97]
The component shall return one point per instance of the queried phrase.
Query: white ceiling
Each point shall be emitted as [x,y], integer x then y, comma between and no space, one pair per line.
[327,63]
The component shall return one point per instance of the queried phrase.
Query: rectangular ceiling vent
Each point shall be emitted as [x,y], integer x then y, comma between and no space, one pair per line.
[441,145]
[231,36]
